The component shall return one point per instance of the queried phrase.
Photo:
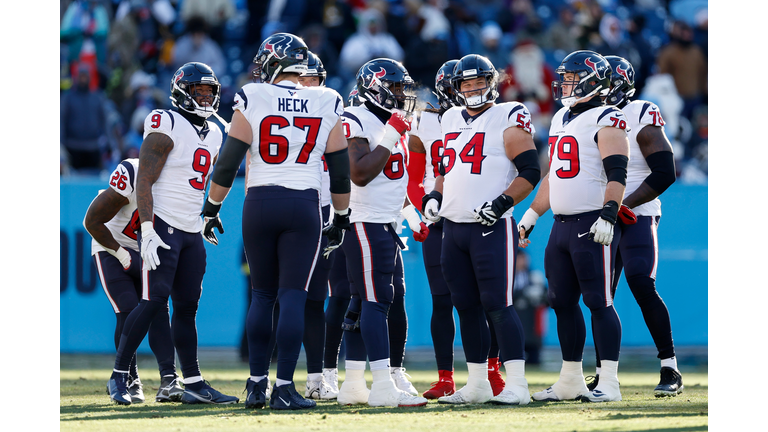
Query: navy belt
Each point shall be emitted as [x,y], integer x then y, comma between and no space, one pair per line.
[575,217]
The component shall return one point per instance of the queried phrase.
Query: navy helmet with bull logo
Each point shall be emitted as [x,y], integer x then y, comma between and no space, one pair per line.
[386,83]
[592,77]
[280,53]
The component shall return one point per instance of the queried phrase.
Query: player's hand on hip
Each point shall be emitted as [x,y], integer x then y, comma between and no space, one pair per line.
[419,228]
[335,231]
[122,255]
[627,216]
[150,242]
[526,225]
[211,220]
[430,206]
[602,230]
[491,211]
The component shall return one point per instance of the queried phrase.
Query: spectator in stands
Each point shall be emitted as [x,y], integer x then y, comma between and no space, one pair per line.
[520,19]
[685,61]
[197,46]
[214,12]
[83,119]
[142,91]
[427,49]
[588,20]
[494,45]
[83,21]
[316,38]
[369,42]
[563,33]
[529,297]
[614,41]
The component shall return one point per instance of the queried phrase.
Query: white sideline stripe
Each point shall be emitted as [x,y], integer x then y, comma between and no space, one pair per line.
[511,256]
[365,251]
[104,283]
[607,274]
[655,236]
[144,282]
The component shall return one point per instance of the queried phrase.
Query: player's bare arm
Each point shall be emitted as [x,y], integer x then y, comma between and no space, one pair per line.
[519,143]
[364,164]
[612,141]
[539,206]
[103,208]
[241,130]
[152,156]
[415,145]
[657,151]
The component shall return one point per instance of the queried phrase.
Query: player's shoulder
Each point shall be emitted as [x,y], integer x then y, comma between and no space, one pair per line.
[356,118]
[512,106]
[607,115]
[123,178]
[161,121]
[452,113]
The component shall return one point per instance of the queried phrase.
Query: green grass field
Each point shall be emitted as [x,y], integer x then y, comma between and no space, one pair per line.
[85,406]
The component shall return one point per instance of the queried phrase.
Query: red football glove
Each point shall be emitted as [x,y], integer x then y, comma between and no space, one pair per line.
[400,123]
[422,234]
[627,216]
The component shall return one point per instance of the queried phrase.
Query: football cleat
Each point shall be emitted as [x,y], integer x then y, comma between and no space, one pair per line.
[563,389]
[386,394]
[136,390]
[353,392]
[331,377]
[285,397]
[207,395]
[170,390]
[256,393]
[117,387]
[320,390]
[442,387]
[478,393]
[592,381]
[506,397]
[494,376]
[671,383]
[400,377]
[515,393]
[606,391]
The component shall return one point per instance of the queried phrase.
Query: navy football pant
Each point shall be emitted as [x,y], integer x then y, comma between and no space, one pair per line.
[281,235]
[123,289]
[577,267]
[478,264]
[338,302]
[638,255]
[180,277]
[441,325]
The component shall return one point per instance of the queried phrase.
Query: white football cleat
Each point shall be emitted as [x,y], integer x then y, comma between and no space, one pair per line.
[402,382]
[353,393]
[319,390]
[480,392]
[331,377]
[513,394]
[607,390]
[386,394]
[563,389]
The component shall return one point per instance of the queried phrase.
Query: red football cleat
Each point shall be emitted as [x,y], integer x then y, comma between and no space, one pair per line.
[443,387]
[494,376]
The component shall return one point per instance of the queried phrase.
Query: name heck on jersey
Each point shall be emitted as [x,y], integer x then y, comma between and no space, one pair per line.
[294,105]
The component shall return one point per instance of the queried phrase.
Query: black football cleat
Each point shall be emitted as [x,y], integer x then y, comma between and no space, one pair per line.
[170,390]
[286,397]
[670,384]
[136,390]
[207,395]
[256,393]
[592,381]
[117,387]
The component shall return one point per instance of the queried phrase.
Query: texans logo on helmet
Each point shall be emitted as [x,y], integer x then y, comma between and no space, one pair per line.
[353,92]
[623,73]
[179,75]
[592,65]
[375,78]
[271,48]
[440,77]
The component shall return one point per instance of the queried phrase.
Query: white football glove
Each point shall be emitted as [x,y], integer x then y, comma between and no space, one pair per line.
[431,210]
[526,226]
[122,255]
[150,241]
[419,228]
[601,232]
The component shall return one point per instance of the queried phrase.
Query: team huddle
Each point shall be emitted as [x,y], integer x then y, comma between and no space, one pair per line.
[329,187]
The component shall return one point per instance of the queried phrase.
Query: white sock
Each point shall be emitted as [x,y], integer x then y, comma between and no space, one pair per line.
[609,370]
[670,362]
[257,378]
[515,369]
[597,371]
[572,368]
[355,370]
[192,380]
[281,382]
[381,375]
[380,364]
[314,377]
[330,370]
[477,372]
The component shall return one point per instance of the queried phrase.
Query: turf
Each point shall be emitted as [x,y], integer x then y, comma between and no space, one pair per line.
[85,406]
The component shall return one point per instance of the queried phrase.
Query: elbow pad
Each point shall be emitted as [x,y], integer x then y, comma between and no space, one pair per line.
[230,156]
[662,165]
[527,164]
[338,170]
[616,168]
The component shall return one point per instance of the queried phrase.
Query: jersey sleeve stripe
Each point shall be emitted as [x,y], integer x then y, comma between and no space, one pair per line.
[514,110]
[173,121]
[606,112]
[338,101]
[131,174]
[353,117]
[241,93]
[642,111]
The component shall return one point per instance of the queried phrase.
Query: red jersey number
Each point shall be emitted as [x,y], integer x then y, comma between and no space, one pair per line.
[201,163]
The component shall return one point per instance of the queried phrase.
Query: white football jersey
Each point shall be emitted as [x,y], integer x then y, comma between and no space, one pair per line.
[381,200]
[577,178]
[124,224]
[428,130]
[477,168]
[639,115]
[290,125]
[179,191]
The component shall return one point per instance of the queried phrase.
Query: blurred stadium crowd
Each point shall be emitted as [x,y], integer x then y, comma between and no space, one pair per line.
[117,57]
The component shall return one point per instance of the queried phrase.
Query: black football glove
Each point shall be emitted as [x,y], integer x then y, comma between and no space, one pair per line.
[488,213]
[335,231]
[211,220]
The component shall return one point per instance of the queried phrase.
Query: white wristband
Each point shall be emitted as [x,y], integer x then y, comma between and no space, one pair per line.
[342,212]
[529,218]
[147,227]
[391,137]
[214,202]
[414,221]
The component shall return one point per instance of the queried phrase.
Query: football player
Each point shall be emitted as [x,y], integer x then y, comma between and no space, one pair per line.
[651,170]
[288,128]
[588,153]
[489,163]
[179,150]
[376,133]
[112,221]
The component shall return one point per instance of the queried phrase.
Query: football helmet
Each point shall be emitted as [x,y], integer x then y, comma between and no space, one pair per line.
[353,99]
[315,68]
[446,96]
[185,89]
[622,80]
[475,66]
[280,53]
[386,84]
[594,77]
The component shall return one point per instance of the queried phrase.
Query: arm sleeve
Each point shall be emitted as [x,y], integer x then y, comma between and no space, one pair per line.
[416,169]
